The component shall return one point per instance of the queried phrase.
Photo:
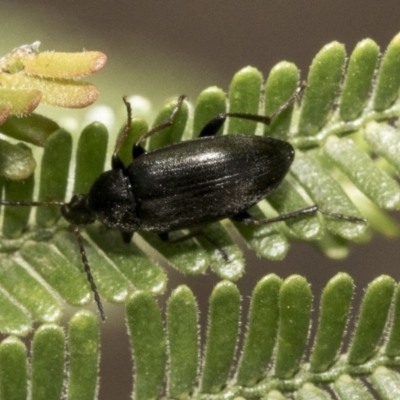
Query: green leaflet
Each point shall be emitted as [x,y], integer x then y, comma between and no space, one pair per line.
[221,337]
[48,362]
[322,88]
[182,331]
[335,307]
[84,346]
[147,343]
[13,369]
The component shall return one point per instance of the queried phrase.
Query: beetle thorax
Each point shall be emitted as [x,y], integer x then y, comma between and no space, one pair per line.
[111,201]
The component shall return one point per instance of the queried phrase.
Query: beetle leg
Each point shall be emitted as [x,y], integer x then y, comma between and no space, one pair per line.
[245,218]
[138,150]
[126,236]
[165,238]
[213,126]
[223,253]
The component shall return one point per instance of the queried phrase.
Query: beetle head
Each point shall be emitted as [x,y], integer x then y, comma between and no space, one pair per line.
[77,212]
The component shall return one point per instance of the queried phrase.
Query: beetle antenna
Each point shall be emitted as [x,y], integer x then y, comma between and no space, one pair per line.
[31,203]
[246,219]
[168,122]
[88,272]
[294,97]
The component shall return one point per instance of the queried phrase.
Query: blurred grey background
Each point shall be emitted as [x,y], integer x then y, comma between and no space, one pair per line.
[163,48]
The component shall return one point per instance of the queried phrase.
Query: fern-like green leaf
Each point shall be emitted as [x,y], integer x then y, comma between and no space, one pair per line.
[28,77]
[44,372]
[39,255]
[271,360]
[279,320]
[41,267]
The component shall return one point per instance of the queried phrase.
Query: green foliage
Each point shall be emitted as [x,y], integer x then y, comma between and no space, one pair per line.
[45,369]
[280,319]
[183,342]
[28,77]
[221,337]
[41,266]
[271,360]
[147,337]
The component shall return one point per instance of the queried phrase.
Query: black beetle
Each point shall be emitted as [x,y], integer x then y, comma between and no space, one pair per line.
[183,185]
